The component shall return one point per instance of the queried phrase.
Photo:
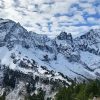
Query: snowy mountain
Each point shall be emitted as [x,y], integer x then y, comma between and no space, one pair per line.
[30,62]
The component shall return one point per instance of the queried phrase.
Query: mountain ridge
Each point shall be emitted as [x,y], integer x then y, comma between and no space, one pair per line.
[45,61]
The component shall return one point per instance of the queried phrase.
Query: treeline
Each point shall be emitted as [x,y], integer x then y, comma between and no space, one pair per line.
[81,91]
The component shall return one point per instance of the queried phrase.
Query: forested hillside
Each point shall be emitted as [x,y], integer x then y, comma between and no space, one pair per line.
[81,91]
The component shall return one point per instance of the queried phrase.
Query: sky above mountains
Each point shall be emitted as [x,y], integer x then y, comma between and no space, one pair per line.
[53,16]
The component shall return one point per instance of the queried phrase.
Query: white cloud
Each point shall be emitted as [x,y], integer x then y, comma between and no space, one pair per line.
[93,20]
[35,14]
[98,9]
[90,10]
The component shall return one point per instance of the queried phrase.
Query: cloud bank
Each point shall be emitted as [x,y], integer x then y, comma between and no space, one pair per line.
[53,16]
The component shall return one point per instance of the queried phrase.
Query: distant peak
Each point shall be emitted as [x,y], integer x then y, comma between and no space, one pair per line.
[64,36]
[93,33]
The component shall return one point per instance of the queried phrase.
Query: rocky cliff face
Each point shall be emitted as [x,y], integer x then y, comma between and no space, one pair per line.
[31,63]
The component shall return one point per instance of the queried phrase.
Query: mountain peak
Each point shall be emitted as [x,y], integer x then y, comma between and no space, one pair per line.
[64,36]
[93,33]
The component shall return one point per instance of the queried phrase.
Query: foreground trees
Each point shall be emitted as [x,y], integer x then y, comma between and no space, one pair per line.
[82,91]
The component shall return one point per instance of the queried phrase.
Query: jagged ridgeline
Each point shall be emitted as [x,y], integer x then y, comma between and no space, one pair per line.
[34,65]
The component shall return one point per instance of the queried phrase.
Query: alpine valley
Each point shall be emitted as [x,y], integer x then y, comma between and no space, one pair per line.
[32,63]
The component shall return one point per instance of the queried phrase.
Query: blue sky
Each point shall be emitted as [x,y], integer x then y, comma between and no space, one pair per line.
[53,16]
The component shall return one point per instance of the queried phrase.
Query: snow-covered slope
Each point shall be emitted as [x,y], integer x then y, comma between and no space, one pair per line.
[33,58]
